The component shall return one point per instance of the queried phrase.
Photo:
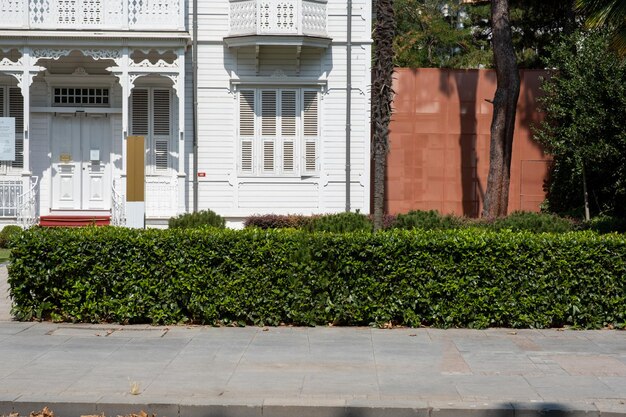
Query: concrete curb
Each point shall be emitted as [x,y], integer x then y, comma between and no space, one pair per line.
[321,408]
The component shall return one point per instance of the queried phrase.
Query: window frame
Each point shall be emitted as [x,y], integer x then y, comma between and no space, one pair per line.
[152,138]
[13,167]
[280,138]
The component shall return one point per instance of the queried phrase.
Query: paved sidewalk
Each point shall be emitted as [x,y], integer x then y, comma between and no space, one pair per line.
[317,372]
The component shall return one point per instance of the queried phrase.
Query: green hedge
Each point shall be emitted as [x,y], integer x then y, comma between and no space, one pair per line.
[465,278]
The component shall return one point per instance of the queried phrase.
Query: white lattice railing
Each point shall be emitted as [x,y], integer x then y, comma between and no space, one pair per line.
[118,206]
[278,17]
[93,14]
[10,191]
[161,197]
[27,205]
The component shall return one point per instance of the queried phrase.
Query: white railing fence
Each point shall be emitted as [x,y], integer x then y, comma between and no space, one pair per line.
[93,14]
[278,17]
[27,204]
[161,197]
[10,191]
[118,205]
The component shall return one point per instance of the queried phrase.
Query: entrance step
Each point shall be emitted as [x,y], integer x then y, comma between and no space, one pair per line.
[58,220]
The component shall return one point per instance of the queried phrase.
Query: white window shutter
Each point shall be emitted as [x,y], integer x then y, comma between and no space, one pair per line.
[269,107]
[289,152]
[139,112]
[161,154]
[268,156]
[310,121]
[161,127]
[247,129]
[247,164]
[268,113]
[161,113]
[288,123]
[16,110]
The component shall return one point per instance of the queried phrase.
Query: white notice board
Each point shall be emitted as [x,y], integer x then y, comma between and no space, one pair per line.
[7,138]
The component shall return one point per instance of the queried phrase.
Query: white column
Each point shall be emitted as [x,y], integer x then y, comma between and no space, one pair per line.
[27,79]
[180,92]
[126,90]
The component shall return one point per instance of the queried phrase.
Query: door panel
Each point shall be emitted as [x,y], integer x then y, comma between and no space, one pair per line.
[96,139]
[66,163]
[81,168]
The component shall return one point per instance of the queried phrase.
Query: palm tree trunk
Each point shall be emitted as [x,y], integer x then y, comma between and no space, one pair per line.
[382,95]
[504,110]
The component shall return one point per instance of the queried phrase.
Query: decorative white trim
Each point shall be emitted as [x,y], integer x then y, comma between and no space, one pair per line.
[6,62]
[79,78]
[93,15]
[161,63]
[71,110]
[279,79]
[98,54]
[47,53]
[277,40]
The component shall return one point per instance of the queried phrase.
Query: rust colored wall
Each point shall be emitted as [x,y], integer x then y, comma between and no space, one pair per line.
[439,154]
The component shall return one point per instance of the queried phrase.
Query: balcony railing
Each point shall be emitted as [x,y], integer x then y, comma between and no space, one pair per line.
[278,17]
[162,15]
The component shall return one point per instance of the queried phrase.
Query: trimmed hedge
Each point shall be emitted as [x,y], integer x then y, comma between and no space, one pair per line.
[464,278]
[204,218]
[7,234]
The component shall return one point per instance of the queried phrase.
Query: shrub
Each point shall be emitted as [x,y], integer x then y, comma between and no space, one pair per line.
[427,220]
[275,221]
[340,223]
[198,219]
[389,220]
[605,224]
[466,278]
[7,234]
[533,222]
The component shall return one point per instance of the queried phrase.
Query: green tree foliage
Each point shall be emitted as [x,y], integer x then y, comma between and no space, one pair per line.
[448,34]
[585,125]
[434,33]
[610,14]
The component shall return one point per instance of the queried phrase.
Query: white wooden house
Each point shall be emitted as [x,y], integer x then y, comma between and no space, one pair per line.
[81,76]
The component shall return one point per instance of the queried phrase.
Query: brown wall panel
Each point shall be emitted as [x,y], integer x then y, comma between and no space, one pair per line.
[439,143]
[136,168]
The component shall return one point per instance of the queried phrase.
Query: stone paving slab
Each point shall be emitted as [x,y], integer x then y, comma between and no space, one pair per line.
[195,371]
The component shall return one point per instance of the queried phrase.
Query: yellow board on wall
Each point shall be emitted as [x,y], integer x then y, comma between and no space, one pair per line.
[135,168]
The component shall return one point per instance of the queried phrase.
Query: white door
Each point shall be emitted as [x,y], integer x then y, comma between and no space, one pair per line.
[81,169]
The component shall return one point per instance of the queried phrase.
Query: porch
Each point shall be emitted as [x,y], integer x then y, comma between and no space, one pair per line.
[74,109]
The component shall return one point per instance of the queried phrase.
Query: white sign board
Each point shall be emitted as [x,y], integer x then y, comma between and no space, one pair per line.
[7,138]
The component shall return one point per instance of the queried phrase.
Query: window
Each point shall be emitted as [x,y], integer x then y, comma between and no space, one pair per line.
[278,131]
[81,97]
[12,105]
[151,117]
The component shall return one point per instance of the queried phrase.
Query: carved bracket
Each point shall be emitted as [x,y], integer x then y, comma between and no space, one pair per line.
[46,53]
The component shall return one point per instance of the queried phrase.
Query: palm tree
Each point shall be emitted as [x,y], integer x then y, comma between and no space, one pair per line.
[382,95]
[607,13]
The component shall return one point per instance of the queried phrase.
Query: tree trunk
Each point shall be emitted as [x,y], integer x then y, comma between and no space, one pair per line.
[585,194]
[382,95]
[504,109]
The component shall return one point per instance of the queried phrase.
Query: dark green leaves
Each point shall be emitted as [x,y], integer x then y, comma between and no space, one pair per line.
[464,278]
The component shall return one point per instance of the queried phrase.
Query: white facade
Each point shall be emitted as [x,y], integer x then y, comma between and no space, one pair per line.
[271,91]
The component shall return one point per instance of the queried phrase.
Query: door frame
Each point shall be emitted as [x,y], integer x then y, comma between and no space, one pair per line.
[109,139]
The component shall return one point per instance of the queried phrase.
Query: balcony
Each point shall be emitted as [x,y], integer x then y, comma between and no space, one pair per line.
[100,15]
[278,22]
